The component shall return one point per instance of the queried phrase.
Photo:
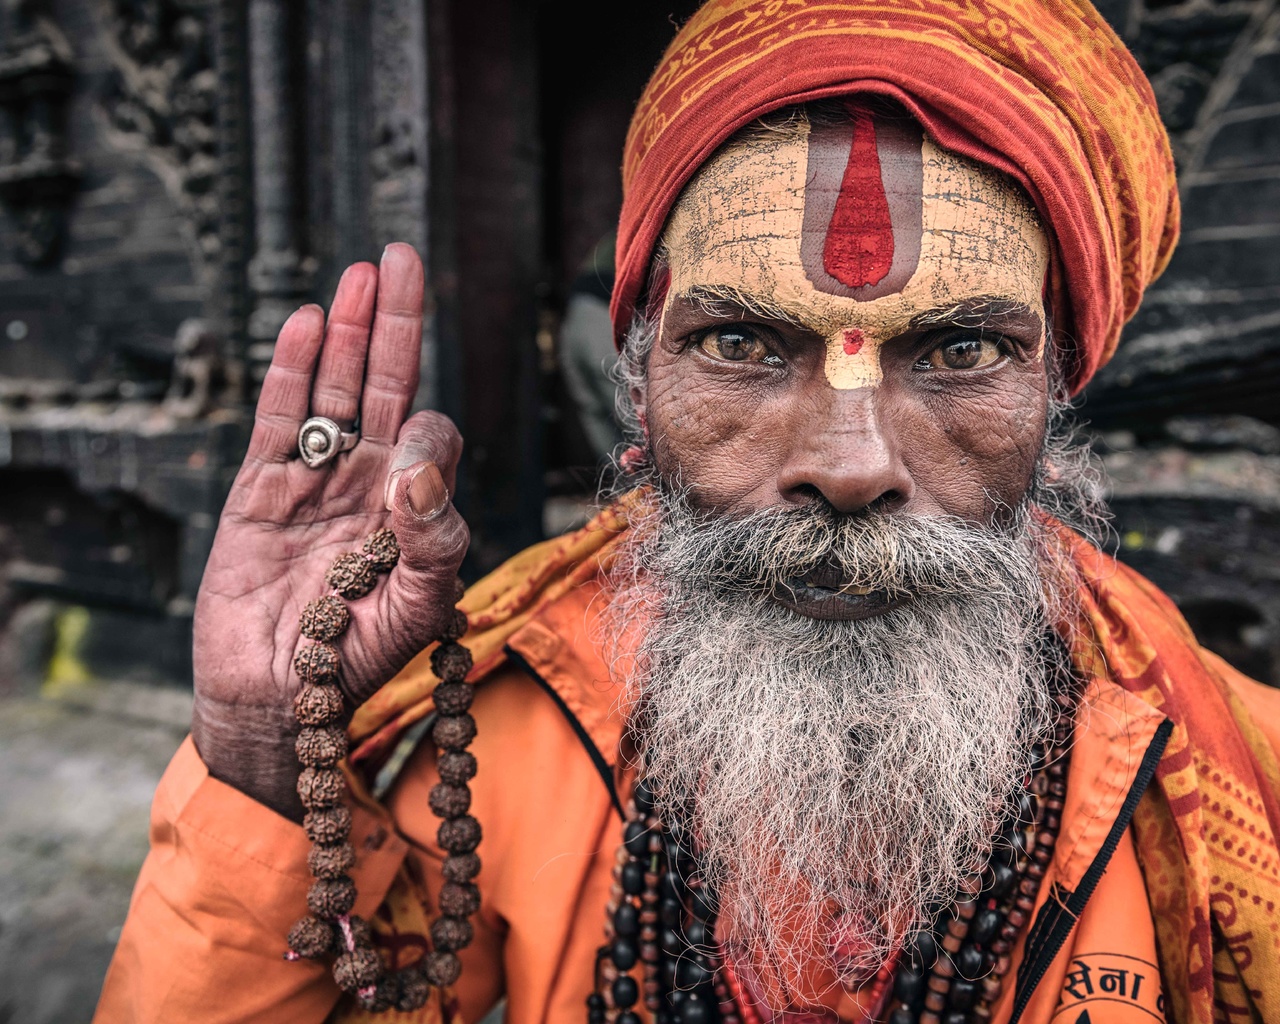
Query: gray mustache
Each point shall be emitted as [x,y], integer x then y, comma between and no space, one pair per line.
[893,552]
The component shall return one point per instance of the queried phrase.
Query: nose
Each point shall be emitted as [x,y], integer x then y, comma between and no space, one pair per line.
[848,455]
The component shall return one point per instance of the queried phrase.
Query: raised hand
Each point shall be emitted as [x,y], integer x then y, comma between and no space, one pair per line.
[285,523]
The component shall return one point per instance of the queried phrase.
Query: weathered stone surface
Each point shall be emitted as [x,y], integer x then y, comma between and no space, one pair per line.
[1207,339]
[74,808]
[171,227]
[1202,521]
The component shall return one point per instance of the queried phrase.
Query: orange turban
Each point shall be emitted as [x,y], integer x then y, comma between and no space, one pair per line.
[1043,90]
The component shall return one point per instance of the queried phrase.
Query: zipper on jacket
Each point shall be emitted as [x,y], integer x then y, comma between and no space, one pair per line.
[602,766]
[1061,911]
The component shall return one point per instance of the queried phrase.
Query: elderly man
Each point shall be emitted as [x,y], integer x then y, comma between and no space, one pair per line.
[834,714]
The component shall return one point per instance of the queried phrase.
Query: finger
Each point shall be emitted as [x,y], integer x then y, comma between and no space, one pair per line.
[433,539]
[286,389]
[391,378]
[425,437]
[336,391]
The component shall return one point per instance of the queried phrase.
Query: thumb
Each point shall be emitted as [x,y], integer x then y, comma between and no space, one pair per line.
[432,535]
[433,539]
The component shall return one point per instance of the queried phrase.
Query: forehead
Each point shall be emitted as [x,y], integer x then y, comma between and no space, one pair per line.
[866,223]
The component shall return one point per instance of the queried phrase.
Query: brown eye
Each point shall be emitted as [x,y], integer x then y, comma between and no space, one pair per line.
[966,353]
[737,345]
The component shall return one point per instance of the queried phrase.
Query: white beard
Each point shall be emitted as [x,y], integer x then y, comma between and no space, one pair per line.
[850,769]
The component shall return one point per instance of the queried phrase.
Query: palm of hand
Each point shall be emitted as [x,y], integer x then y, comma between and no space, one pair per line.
[283,526]
[284,523]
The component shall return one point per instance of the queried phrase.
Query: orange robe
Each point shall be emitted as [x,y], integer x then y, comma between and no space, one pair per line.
[1139,918]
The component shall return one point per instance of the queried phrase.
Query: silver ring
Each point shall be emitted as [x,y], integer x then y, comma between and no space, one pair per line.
[320,440]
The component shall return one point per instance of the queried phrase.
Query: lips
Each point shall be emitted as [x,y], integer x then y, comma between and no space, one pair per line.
[825,593]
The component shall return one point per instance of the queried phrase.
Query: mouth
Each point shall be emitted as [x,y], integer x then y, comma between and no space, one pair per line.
[822,594]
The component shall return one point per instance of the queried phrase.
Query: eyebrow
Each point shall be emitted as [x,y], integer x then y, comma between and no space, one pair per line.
[980,312]
[725,302]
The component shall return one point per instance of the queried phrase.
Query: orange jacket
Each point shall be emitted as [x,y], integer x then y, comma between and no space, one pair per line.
[226,877]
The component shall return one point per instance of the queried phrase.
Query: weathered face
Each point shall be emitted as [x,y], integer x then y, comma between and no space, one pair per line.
[852,313]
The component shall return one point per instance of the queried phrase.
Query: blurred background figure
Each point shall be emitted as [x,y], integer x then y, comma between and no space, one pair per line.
[587,351]
[176,176]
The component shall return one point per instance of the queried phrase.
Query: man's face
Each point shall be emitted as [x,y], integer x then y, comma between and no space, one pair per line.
[873,335]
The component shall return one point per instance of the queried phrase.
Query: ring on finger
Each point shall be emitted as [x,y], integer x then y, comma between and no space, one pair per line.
[320,440]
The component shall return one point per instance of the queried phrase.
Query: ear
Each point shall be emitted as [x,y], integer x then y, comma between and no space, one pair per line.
[655,298]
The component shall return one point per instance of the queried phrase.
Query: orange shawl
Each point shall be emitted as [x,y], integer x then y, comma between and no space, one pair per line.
[1043,90]
[1205,830]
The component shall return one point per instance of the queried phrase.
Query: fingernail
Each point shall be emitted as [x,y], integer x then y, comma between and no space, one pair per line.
[389,492]
[427,493]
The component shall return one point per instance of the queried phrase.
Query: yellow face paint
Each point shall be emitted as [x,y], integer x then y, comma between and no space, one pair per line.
[747,225]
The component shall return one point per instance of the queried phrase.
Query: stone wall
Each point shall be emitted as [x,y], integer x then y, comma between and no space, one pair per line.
[119,426]
[1188,410]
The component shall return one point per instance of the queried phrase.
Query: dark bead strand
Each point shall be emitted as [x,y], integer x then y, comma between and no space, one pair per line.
[322,744]
[951,978]
[630,931]
[324,619]
[696,972]
[318,705]
[606,970]
[352,576]
[649,918]
[968,975]
[317,664]
[1042,835]
[450,799]
[382,552]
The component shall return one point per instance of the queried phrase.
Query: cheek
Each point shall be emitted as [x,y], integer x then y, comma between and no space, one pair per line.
[973,453]
[721,440]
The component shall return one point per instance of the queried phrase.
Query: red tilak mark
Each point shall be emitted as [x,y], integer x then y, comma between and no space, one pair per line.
[859,246]
[853,340]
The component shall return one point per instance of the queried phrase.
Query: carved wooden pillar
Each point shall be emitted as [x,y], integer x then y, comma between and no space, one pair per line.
[398,159]
[229,303]
[280,273]
[372,171]
[37,178]
[497,198]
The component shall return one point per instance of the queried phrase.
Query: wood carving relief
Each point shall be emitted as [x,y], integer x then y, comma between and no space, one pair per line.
[164,102]
[37,177]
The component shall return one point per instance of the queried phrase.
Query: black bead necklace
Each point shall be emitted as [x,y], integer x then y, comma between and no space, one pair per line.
[954,973]
[661,917]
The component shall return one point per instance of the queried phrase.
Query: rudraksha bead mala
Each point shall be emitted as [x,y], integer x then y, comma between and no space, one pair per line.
[660,923]
[331,928]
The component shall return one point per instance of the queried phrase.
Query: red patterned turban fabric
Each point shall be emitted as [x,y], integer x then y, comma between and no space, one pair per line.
[1042,90]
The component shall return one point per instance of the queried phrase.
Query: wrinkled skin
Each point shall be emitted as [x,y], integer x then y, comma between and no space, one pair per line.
[893,425]
[784,420]
[284,524]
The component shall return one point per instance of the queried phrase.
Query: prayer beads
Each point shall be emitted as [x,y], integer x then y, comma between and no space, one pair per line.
[331,928]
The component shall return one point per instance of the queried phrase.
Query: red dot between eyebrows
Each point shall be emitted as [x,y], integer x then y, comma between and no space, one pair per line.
[853,340]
